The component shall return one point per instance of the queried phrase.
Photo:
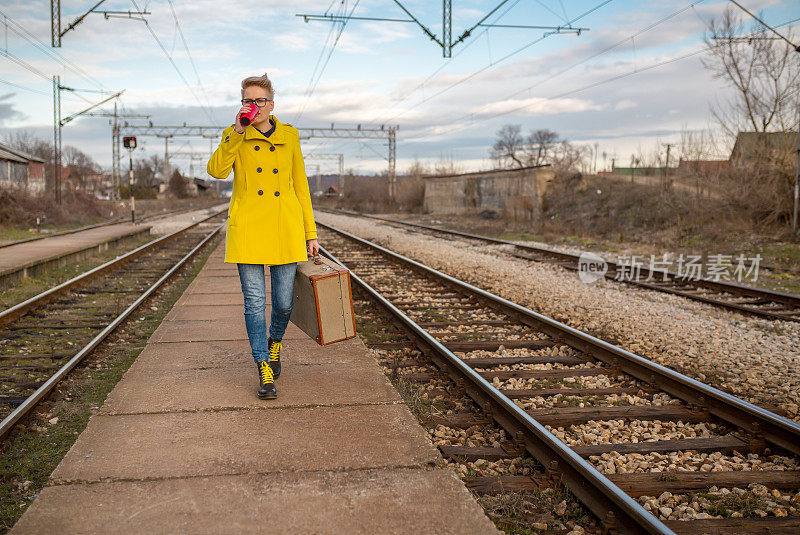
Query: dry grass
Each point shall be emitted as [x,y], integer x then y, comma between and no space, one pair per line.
[19,209]
[371,194]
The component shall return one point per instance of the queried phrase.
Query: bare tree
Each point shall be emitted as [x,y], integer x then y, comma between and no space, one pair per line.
[570,158]
[763,71]
[541,145]
[417,169]
[446,166]
[765,76]
[146,172]
[81,164]
[411,194]
[509,148]
[699,160]
[177,185]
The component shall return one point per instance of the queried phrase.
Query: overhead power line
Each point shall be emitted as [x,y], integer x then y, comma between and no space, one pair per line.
[614,78]
[191,60]
[44,48]
[609,48]
[24,64]
[767,26]
[32,90]
[206,109]
[446,41]
[313,83]
[443,65]
[494,63]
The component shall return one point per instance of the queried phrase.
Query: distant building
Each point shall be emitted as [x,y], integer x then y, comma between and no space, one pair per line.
[18,167]
[777,147]
[515,193]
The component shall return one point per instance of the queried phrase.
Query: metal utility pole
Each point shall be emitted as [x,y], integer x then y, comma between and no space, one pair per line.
[446,42]
[384,132]
[330,156]
[340,182]
[57,138]
[166,151]
[317,179]
[447,29]
[392,164]
[55,19]
[116,159]
[795,234]
[130,144]
[192,157]
[666,167]
[55,23]
[130,183]
[115,156]
[58,122]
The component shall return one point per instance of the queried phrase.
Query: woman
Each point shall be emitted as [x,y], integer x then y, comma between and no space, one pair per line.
[270,220]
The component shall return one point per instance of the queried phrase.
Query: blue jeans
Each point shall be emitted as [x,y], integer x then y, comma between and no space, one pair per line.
[255,300]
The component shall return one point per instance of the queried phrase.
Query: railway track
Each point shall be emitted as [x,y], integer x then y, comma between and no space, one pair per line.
[728,295]
[644,448]
[43,338]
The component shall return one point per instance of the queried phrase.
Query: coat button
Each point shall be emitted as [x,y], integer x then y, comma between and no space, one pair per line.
[261,192]
[277,193]
[258,147]
[258,169]
[272,148]
[275,170]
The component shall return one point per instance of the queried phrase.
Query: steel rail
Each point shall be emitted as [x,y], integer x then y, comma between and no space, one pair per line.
[752,418]
[605,499]
[781,297]
[10,314]
[31,401]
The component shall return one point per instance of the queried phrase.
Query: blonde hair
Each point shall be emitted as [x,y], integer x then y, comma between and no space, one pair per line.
[260,81]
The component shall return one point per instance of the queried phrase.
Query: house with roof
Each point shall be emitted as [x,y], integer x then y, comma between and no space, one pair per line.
[779,148]
[20,168]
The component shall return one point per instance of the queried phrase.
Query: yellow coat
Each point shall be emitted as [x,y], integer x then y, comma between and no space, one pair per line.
[269,216]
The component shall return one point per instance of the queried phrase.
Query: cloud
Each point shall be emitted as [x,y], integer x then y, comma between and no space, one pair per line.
[7,111]
[537,106]
[625,104]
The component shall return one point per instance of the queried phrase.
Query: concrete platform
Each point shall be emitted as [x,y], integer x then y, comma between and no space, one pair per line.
[182,444]
[28,259]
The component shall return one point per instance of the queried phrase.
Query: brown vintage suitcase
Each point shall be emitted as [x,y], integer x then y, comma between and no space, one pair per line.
[323,301]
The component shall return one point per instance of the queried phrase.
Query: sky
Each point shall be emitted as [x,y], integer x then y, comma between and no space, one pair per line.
[612,86]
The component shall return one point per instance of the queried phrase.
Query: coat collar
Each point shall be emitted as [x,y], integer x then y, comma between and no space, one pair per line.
[276,138]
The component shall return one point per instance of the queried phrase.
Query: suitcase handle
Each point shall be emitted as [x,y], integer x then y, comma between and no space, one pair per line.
[317,260]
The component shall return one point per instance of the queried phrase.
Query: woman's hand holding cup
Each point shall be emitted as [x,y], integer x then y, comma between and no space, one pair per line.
[238,126]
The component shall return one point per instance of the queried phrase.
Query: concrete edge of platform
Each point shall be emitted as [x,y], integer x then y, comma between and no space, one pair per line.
[33,268]
[397,500]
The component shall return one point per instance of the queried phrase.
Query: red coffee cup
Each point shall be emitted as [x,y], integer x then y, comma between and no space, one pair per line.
[248,117]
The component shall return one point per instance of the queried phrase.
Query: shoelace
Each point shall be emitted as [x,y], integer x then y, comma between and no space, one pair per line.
[266,372]
[274,351]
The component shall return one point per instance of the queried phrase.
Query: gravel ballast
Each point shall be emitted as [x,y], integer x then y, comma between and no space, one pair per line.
[753,358]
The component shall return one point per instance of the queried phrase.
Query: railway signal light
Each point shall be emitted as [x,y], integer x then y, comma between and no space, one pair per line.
[129,142]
